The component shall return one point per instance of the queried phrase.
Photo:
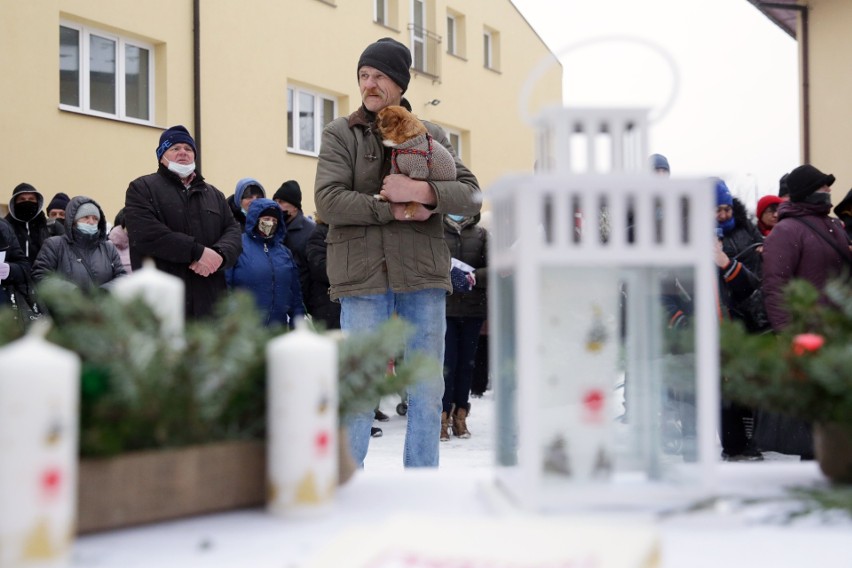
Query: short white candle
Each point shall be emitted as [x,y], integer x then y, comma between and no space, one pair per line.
[39,404]
[301,422]
[163,292]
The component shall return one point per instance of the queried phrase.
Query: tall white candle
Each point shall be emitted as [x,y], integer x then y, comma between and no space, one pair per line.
[301,422]
[163,292]
[39,404]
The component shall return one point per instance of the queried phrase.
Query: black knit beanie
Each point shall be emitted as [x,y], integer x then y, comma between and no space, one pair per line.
[391,58]
[805,180]
[290,192]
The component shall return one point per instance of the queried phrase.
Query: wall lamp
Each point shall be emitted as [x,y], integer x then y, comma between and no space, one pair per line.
[433,102]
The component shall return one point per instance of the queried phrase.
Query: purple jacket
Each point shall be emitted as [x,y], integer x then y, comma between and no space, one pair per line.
[794,250]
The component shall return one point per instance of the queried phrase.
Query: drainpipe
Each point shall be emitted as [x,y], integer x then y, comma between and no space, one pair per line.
[806,79]
[196,78]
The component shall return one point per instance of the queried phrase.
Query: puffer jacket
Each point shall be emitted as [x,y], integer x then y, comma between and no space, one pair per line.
[742,241]
[89,261]
[173,224]
[266,268]
[794,250]
[369,252]
[468,242]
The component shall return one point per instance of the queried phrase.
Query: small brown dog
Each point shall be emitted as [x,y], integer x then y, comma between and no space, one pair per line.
[415,152]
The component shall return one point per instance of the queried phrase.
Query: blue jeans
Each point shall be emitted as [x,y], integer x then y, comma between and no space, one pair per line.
[459,360]
[425,310]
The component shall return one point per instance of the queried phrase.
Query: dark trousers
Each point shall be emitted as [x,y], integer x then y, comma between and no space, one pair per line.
[480,370]
[459,359]
[733,431]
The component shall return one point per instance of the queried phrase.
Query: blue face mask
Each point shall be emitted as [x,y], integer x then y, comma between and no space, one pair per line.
[87,229]
[456,218]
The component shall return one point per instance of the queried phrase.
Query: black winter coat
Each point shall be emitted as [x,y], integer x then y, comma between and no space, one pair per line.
[468,242]
[314,279]
[19,266]
[173,224]
[742,242]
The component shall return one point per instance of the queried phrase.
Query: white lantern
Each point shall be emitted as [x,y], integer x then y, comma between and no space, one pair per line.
[580,258]
[163,292]
[301,422]
[39,406]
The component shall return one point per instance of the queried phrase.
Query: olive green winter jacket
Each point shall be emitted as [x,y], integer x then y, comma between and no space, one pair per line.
[368,251]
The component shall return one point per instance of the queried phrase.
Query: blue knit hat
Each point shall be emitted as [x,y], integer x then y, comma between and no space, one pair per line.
[174,135]
[723,194]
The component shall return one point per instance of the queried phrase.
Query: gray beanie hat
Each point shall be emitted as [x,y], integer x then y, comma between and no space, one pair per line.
[87,209]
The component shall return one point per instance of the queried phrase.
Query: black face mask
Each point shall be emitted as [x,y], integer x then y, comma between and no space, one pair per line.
[26,210]
[818,198]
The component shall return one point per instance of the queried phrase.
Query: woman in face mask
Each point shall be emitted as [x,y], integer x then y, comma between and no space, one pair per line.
[266,268]
[83,255]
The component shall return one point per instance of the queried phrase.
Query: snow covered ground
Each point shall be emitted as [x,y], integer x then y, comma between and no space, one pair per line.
[457,454]
[478,451]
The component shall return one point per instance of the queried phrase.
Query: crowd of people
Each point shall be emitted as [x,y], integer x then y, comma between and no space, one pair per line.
[789,236]
[382,245]
[360,260]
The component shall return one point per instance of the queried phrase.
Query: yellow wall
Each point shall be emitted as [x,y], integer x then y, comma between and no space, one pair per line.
[251,51]
[831,90]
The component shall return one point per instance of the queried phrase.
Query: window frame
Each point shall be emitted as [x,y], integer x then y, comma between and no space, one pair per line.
[383,20]
[459,146]
[452,34]
[122,42]
[418,36]
[488,49]
[293,98]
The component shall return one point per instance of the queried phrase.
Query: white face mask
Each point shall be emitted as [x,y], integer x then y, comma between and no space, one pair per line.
[182,170]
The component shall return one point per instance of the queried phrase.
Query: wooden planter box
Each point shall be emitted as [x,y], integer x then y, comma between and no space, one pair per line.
[150,486]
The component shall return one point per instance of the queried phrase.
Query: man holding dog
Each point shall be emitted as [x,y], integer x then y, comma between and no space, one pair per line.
[380,262]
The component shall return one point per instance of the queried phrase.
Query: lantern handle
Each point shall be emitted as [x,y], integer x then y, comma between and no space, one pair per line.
[549,60]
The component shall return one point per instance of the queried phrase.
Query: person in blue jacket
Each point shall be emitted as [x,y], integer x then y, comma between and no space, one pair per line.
[266,267]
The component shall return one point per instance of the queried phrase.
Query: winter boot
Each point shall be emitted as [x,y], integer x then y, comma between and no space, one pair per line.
[445,435]
[460,422]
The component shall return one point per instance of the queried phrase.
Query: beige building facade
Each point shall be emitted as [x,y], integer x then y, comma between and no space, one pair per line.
[90,85]
[821,28]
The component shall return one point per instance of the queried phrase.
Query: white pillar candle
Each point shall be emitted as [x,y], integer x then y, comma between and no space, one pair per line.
[301,422]
[39,404]
[163,292]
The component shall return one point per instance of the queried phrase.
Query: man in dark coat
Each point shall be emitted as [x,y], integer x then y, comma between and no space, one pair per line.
[29,221]
[183,223]
[299,228]
[806,243]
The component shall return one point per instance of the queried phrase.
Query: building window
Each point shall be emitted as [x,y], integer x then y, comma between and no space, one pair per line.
[491,49]
[455,138]
[307,114]
[105,74]
[380,12]
[451,35]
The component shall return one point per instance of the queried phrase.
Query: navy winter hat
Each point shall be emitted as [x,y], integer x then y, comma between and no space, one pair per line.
[174,135]
[59,201]
[290,192]
[391,58]
[805,180]
[659,162]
